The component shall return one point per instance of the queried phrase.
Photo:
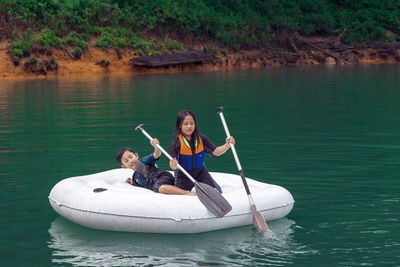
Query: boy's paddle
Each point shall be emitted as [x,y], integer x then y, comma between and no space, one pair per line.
[209,196]
[258,219]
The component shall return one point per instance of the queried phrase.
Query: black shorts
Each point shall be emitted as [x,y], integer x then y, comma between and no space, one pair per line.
[201,175]
[165,178]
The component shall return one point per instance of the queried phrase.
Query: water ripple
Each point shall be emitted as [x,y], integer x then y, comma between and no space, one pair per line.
[243,246]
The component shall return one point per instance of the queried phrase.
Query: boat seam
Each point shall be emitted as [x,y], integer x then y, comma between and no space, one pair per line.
[159,218]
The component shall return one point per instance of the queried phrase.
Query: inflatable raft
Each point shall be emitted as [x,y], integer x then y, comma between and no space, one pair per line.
[105,201]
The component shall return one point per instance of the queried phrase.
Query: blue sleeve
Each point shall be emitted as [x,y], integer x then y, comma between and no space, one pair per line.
[149,159]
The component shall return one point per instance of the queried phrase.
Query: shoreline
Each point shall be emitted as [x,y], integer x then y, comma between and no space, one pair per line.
[91,61]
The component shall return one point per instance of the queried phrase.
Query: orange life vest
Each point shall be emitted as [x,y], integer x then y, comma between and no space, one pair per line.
[188,158]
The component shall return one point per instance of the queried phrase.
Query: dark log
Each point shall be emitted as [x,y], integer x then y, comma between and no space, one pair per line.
[327,52]
[103,63]
[182,58]
[338,40]
[69,54]
[293,45]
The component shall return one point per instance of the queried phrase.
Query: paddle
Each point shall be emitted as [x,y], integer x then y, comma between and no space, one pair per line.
[258,219]
[209,196]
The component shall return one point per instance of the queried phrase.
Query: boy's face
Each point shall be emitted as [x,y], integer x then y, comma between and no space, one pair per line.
[129,160]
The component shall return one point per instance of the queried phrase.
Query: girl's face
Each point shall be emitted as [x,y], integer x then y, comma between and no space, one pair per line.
[187,126]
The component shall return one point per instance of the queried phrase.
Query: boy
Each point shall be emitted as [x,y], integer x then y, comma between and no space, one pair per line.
[148,175]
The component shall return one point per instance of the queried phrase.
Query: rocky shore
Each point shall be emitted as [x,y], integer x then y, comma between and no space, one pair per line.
[286,51]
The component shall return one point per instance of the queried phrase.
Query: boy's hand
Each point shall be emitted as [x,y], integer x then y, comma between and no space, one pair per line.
[154,142]
[157,153]
[129,180]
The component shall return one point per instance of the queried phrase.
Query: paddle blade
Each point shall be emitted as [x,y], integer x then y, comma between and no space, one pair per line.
[259,221]
[212,199]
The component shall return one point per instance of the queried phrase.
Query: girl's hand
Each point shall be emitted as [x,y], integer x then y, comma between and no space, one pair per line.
[129,180]
[230,140]
[173,164]
[222,149]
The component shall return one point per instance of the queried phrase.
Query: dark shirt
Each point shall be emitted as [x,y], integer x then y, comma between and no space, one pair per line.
[149,160]
[175,146]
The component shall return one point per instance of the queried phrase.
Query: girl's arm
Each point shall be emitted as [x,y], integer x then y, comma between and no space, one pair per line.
[173,151]
[222,149]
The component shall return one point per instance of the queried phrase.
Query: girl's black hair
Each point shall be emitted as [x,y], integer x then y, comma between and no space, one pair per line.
[180,118]
[121,152]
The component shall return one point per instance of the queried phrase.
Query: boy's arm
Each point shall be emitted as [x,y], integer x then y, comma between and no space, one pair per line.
[149,159]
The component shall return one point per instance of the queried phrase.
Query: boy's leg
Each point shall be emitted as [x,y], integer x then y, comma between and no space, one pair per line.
[173,190]
[165,185]
[183,182]
[164,178]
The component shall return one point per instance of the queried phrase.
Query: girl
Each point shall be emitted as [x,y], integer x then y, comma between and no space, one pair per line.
[188,148]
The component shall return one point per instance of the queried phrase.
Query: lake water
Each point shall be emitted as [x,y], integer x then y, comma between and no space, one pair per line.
[331,136]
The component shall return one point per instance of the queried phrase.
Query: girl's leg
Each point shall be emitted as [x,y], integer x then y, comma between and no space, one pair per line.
[205,177]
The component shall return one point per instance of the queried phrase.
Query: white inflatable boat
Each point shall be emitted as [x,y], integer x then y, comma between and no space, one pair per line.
[105,201]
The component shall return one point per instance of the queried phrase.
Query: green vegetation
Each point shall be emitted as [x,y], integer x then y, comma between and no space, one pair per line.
[147,25]
[48,38]
[32,60]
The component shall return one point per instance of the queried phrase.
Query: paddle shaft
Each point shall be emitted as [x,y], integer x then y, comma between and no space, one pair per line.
[168,156]
[236,158]
[258,220]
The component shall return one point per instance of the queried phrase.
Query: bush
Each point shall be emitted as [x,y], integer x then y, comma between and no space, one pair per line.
[173,45]
[106,40]
[76,39]
[20,48]
[49,39]
[32,60]
[121,42]
[78,52]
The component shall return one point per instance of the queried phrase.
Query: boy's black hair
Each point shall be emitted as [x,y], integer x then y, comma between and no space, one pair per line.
[180,118]
[121,152]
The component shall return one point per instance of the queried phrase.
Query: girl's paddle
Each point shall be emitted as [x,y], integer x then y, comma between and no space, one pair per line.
[209,196]
[258,219]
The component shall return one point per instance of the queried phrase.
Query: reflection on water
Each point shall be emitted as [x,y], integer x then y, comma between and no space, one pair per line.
[76,245]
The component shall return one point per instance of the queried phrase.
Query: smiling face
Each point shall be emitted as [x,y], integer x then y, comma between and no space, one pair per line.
[129,160]
[187,126]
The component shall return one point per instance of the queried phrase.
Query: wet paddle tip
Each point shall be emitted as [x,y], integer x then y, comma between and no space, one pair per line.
[264,230]
[259,223]
[268,234]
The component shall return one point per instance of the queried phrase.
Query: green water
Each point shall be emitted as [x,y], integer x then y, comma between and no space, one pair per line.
[328,135]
